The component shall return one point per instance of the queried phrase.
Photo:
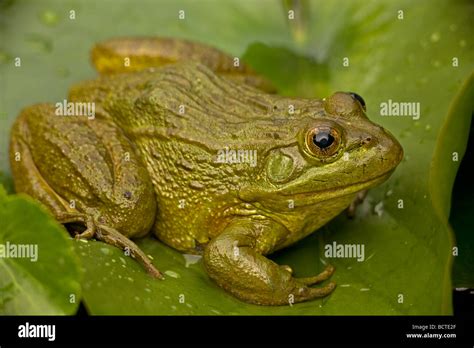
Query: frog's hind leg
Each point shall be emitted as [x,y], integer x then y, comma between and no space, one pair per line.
[75,169]
[108,235]
[133,54]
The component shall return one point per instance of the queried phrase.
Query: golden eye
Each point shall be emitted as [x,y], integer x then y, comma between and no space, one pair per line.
[323,141]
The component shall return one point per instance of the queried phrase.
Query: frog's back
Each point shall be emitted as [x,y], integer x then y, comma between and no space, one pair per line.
[187,101]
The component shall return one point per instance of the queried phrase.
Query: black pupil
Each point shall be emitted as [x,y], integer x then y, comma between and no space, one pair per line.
[323,139]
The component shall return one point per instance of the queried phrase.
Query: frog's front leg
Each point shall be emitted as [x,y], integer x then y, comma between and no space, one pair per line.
[87,174]
[358,200]
[235,261]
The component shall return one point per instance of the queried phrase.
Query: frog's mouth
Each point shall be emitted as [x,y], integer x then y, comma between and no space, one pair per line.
[308,198]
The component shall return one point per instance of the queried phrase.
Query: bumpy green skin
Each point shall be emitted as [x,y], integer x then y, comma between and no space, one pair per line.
[170,182]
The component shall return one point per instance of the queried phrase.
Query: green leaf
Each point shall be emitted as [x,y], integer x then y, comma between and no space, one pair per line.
[408,251]
[7,182]
[42,281]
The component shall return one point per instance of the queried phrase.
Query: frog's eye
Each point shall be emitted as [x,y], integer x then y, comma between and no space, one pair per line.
[323,141]
[359,99]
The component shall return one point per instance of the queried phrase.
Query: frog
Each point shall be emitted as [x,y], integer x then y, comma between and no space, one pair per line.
[201,152]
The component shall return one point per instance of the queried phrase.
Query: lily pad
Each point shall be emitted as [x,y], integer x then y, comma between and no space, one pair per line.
[39,270]
[403,51]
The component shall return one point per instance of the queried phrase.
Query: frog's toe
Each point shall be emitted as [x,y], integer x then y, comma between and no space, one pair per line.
[90,230]
[287,268]
[113,237]
[82,220]
[326,274]
[305,293]
[89,233]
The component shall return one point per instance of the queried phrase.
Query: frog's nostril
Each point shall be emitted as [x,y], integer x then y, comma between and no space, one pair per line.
[366,141]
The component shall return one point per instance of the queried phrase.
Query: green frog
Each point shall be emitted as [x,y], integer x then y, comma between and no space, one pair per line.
[189,144]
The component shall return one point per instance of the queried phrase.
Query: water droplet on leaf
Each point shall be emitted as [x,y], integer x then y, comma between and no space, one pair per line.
[49,18]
